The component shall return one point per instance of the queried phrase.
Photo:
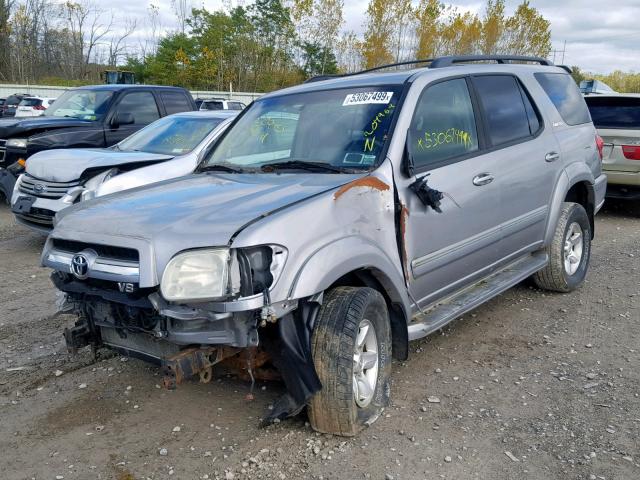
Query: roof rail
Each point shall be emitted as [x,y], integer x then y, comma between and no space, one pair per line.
[447,61]
[319,78]
[453,59]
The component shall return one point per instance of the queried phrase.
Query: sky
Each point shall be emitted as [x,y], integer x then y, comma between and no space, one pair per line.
[600,36]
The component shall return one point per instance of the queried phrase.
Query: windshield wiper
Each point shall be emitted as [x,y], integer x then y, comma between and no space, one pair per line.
[302,165]
[220,167]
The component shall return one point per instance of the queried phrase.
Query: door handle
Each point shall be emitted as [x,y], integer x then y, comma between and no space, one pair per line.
[552,156]
[482,179]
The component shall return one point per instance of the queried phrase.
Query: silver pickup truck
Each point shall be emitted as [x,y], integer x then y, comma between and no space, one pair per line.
[335,221]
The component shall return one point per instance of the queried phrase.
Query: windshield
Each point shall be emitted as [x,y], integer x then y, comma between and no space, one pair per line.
[82,104]
[344,129]
[170,135]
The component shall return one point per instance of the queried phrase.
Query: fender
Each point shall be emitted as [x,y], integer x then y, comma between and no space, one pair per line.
[572,174]
[336,259]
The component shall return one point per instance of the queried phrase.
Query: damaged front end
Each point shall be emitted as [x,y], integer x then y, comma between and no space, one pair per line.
[238,325]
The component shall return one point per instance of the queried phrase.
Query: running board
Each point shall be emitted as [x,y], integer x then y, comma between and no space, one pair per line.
[437,316]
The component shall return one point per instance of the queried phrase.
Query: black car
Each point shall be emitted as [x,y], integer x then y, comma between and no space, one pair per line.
[93,116]
[10,105]
[2,100]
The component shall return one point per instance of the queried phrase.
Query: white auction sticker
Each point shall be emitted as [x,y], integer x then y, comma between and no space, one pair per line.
[363,98]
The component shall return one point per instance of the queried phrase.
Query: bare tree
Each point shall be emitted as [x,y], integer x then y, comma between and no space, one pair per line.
[6,6]
[88,25]
[118,43]
[182,9]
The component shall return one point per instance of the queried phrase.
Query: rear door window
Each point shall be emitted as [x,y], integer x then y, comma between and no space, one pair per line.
[615,112]
[505,112]
[443,126]
[175,102]
[142,105]
[565,95]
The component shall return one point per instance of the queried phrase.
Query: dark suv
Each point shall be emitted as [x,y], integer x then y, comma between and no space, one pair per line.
[94,116]
[10,105]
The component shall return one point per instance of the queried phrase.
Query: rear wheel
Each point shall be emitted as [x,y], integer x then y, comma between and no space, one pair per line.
[569,252]
[351,348]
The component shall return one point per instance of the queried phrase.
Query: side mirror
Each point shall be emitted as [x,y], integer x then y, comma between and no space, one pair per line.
[122,118]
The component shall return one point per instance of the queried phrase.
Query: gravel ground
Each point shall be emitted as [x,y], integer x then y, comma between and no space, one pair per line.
[531,386]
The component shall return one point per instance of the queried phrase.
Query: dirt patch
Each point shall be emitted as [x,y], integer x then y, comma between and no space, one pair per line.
[552,379]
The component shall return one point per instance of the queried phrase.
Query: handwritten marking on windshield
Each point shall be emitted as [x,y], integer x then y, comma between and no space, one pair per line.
[369,135]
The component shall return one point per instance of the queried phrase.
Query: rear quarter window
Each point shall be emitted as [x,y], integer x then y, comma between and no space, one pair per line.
[615,112]
[175,102]
[565,95]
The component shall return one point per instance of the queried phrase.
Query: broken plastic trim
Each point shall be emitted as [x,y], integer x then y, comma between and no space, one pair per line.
[430,197]
[288,342]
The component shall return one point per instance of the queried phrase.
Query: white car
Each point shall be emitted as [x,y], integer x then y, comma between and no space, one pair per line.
[167,148]
[33,106]
[219,104]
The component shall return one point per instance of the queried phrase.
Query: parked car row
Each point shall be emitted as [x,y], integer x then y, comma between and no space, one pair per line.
[56,179]
[326,225]
[97,116]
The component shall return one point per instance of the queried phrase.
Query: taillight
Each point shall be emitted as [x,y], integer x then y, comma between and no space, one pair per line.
[631,152]
[39,107]
[600,145]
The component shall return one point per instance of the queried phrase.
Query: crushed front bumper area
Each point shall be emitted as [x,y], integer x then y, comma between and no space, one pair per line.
[195,341]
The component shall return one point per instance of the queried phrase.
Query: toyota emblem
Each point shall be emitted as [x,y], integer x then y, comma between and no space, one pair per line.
[80,266]
[39,187]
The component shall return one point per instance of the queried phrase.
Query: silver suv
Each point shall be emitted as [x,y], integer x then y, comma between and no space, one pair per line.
[337,220]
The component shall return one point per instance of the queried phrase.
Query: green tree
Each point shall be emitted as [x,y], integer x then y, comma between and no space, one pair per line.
[171,65]
[527,32]
[376,47]
[492,27]
[318,60]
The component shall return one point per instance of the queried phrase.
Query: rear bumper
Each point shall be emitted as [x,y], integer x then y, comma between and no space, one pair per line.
[618,177]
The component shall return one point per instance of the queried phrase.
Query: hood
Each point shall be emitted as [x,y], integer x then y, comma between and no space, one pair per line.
[196,211]
[66,165]
[23,127]
[177,167]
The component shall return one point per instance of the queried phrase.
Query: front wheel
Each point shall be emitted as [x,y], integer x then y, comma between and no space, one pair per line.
[351,347]
[569,252]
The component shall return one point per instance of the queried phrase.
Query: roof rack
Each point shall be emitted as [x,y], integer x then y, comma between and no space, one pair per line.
[453,59]
[319,78]
[448,61]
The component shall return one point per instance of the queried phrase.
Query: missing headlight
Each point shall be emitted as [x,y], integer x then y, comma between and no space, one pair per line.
[255,269]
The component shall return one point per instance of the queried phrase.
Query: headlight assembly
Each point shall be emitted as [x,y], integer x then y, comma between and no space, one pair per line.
[93,183]
[17,142]
[197,275]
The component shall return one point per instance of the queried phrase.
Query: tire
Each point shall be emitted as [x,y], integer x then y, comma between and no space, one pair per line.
[345,313]
[557,276]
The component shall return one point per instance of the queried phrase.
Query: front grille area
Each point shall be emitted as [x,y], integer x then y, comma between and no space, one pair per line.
[39,216]
[103,251]
[45,189]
